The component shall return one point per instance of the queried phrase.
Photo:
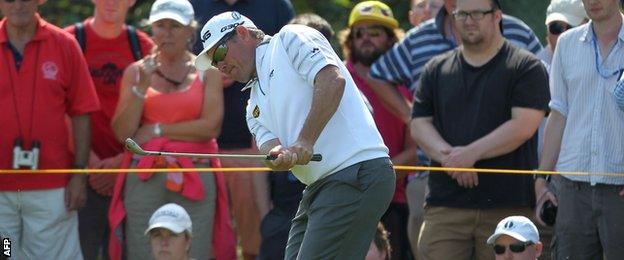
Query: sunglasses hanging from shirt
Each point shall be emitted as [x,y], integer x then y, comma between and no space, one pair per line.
[556,28]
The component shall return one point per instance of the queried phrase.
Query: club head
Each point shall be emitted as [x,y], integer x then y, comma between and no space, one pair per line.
[133,147]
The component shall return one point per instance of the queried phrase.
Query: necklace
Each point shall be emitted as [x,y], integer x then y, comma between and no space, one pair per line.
[174,82]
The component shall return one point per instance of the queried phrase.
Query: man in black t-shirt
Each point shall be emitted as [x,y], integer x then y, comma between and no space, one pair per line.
[477,106]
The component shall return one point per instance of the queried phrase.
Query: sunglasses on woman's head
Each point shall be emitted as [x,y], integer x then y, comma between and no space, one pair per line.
[516,248]
[222,49]
[556,28]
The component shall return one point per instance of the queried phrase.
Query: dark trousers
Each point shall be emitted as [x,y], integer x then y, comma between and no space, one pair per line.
[589,221]
[338,215]
[93,225]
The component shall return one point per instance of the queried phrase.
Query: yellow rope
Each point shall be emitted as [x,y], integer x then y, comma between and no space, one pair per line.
[264,169]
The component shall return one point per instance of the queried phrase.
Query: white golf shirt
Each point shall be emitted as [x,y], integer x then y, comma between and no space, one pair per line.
[281,99]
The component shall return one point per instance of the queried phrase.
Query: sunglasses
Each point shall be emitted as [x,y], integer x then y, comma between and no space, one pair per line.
[558,28]
[222,49]
[11,1]
[374,31]
[515,248]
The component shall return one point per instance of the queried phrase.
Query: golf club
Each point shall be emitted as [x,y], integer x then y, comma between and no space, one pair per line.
[133,147]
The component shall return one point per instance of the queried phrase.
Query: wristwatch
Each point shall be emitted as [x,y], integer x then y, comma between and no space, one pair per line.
[157,130]
[542,176]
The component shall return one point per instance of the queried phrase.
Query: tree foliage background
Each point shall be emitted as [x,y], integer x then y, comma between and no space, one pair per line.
[65,12]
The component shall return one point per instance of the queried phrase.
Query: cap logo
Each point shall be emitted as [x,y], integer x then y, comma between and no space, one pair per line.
[205,36]
[168,213]
[231,26]
[374,9]
[509,225]
[236,15]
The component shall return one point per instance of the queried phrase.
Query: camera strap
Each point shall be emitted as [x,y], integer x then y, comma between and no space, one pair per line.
[13,92]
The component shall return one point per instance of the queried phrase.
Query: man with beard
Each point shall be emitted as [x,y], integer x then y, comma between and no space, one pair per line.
[477,106]
[371,31]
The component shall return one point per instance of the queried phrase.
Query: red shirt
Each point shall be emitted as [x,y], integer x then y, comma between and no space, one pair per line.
[107,59]
[53,81]
[391,128]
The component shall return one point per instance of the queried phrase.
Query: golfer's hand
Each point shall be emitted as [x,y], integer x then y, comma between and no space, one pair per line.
[76,192]
[285,160]
[303,150]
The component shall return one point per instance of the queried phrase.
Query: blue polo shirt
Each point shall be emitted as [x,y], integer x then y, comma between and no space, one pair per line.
[404,63]
[269,16]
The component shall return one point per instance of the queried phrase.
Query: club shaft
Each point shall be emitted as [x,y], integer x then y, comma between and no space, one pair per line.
[315,157]
[208,155]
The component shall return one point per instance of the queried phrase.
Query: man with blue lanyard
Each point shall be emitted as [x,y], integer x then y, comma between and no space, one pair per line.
[584,134]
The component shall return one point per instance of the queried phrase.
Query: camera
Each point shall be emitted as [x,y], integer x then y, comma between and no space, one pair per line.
[25,158]
[548,213]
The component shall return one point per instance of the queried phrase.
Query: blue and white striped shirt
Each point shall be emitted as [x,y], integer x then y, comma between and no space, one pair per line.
[593,139]
[404,63]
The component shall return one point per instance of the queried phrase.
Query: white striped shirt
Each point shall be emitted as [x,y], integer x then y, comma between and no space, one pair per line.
[593,139]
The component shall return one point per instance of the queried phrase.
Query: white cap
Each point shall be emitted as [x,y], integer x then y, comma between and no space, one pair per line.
[571,12]
[179,10]
[217,27]
[172,217]
[518,227]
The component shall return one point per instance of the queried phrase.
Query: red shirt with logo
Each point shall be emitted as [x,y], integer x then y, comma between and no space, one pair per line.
[53,81]
[107,59]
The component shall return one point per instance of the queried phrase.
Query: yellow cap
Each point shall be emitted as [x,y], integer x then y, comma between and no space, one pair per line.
[373,11]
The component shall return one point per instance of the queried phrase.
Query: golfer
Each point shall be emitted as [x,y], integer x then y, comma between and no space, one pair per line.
[303,101]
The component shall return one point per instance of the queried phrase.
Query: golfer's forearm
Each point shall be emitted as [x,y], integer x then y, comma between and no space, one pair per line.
[328,90]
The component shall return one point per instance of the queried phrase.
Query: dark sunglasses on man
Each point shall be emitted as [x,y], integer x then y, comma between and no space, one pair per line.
[556,28]
[515,248]
[222,49]
[372,31]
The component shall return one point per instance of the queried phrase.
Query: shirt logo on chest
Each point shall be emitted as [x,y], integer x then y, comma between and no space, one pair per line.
[256,112]
[50,70]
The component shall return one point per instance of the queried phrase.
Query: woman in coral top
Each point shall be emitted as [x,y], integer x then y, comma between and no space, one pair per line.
[166,105]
